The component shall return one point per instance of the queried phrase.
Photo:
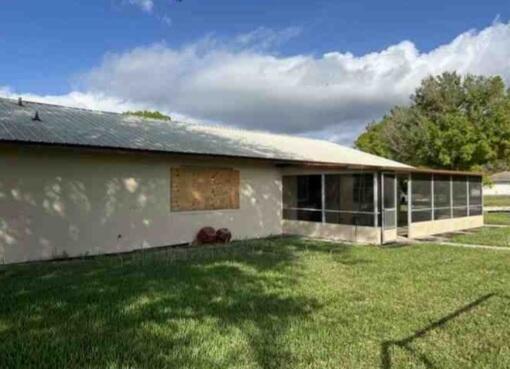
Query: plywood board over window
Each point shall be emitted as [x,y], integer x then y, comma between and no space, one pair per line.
[197,188]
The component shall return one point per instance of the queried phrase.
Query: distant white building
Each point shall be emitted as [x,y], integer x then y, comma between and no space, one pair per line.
[500,186]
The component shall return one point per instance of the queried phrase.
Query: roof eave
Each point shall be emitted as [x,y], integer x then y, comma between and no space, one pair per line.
[277,162]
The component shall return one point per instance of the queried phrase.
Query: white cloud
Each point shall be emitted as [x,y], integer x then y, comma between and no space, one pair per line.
[89,100]
[242,82]
[145,5]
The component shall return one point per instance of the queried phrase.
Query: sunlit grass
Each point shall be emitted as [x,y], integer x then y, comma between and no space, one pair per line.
[497,200]
[497,218]
[281,303]
[490,236]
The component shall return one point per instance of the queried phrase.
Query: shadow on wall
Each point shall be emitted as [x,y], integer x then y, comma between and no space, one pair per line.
[56,203]
[235,307]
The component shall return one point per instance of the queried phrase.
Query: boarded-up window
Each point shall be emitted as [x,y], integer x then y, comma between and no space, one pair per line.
[194,188]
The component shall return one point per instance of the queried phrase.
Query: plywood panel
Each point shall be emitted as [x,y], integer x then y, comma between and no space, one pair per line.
[196,188]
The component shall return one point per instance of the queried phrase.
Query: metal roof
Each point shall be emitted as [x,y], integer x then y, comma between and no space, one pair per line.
[61,125]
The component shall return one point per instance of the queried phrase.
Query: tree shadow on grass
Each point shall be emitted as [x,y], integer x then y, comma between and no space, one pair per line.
[225,308]
[405,343]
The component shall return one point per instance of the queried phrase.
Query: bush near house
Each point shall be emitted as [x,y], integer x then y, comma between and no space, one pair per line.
[279,303]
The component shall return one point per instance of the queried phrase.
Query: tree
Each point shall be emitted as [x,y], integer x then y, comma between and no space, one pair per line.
[148,114]
[453,122]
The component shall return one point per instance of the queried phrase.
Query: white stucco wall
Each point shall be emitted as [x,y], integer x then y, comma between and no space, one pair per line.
[423,229]
[501,188]
[56,201]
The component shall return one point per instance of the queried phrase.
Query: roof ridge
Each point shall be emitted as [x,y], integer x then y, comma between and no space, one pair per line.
[261,131]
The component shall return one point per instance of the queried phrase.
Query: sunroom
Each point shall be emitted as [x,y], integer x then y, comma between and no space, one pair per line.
[379,206]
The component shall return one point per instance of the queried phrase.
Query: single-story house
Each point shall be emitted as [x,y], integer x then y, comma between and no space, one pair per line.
[500,184]
[77,182]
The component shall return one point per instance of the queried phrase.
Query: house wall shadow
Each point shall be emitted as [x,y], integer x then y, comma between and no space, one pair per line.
[60,202]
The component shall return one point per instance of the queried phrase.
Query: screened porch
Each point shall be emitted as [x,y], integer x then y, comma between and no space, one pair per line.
[378,207]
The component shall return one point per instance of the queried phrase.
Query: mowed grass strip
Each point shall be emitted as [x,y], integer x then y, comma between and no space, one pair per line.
[489,236]
[496,200]
[499,218]
[280,303]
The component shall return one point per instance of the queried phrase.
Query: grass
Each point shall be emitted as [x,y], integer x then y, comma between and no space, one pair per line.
[280,303]
[489,236]
[497,200]
[497,218]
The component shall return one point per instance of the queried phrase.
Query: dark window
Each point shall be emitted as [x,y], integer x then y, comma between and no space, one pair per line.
[421,198]
[349,199]
[302,192]
[302,198]
[309,192]
[442,196]
[350,192]
[364,192]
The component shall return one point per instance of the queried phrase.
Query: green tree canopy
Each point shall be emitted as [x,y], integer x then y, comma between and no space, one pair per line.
[453,122]
[149,114]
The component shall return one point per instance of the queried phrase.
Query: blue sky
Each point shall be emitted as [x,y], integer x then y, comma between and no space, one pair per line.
[54,49]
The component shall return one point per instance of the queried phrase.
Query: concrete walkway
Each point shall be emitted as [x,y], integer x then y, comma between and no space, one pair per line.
[471,246]
[496,209]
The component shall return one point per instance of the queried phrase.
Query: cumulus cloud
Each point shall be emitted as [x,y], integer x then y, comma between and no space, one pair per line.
[243,82]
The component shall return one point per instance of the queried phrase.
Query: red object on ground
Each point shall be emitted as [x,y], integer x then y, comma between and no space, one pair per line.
[223,235]
[206,235]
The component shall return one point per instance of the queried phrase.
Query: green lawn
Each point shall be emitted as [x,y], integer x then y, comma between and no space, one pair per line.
[282,303]
[489,236]
[499,200]
[497,218]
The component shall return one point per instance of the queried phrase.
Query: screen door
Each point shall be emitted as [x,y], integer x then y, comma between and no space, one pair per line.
[389,207]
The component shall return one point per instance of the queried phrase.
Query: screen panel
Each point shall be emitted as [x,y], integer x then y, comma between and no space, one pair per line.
[302,198]
[460,196]
[349,192]
[421,198]
[442,197]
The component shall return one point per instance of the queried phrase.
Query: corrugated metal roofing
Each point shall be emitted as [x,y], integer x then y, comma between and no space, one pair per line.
[71,126]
